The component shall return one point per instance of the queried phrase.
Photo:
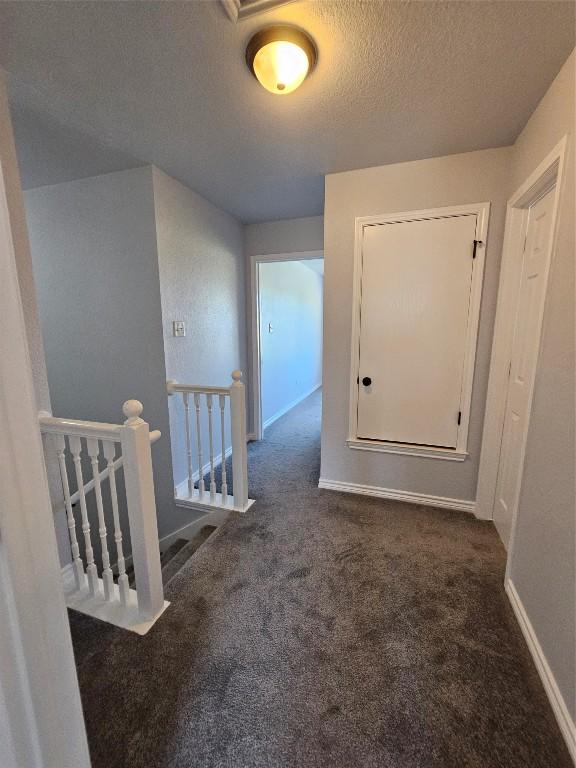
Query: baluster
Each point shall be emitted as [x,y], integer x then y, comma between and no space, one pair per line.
[211,445]
[107,577]
[239,451]
[78,566]
[224,488]
[185,397]
[91,570]
[201,488]
[123,585]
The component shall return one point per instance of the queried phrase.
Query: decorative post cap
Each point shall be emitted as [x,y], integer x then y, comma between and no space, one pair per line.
[132,410]
[237,375]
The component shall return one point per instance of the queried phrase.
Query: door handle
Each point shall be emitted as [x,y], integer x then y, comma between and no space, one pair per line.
[366,381]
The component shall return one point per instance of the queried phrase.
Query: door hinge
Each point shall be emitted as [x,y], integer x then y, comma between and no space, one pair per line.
[459,417]
[475,245]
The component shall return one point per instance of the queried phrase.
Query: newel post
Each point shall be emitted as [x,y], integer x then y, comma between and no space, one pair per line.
[135,439]
[239,450]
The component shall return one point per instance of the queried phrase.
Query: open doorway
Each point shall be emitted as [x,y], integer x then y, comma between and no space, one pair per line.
[287,307]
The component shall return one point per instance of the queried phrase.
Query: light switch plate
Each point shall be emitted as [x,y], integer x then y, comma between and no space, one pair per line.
[178,328]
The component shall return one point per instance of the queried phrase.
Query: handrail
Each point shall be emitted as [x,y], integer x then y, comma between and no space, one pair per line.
[174,386]
[52,425]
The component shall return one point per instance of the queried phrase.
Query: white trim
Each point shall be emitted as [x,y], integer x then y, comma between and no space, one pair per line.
[425,499]
[550,169]
[39,695]
[405,449]
[482,212]
[561,713]
[289,407]
[128,617]
[237,10]
[254,322]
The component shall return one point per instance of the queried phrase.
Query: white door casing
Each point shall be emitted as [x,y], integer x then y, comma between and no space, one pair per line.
[525,346]
[416,279]
[417,295]
[42,722]
[257,430]
[548,174]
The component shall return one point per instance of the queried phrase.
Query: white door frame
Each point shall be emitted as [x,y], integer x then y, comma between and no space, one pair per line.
[460,453]
[41,719]
[549,173]
[254,293]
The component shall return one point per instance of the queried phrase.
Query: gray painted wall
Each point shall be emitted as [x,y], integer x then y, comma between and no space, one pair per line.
[203,282]
[93,245]
[290,355]
[287,236]
[543,556]
[473,177]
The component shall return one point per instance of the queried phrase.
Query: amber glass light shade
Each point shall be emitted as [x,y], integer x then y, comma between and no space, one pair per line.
[280,58]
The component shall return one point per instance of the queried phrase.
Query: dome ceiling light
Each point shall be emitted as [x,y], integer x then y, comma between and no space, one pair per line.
[280,58]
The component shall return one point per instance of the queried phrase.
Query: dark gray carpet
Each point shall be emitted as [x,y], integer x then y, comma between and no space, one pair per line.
[323,629]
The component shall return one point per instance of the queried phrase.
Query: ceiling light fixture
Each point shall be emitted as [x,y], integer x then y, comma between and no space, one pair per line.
[280,58]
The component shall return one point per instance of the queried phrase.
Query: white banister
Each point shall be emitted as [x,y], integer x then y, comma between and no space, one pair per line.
[192,491]
[211,448]
[239,449]
[123,584]
[136,609]
[91,570]
[224,487]
[79,575]
[139,482]
[199,445]
[93,446]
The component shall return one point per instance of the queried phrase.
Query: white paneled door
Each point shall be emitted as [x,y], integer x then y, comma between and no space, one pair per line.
[523,359]
[415,311]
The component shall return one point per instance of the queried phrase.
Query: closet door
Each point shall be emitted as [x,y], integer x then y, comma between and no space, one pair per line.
[415,302]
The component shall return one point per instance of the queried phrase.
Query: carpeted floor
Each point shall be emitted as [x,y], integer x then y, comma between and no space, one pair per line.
[323,629]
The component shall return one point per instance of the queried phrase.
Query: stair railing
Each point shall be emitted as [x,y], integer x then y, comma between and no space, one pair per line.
[221,411]
[92,587]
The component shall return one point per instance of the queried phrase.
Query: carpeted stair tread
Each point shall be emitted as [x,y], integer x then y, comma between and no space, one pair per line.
[167,557]
[172,550]
[185,553]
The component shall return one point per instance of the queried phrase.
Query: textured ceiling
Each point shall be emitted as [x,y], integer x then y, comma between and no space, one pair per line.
[100,86]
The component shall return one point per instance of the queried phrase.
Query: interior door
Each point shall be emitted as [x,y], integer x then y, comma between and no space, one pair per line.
[416,282]
[523,360]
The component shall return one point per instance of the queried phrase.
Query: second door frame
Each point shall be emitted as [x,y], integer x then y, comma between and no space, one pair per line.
[549,173]
[257,432]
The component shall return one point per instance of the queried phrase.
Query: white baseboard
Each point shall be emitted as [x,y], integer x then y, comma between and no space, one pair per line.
[462,505]
[565,722]
[289,407]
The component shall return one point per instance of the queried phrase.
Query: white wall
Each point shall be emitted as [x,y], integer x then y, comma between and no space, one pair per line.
[543,556]
[472,177]
[290,355]
[93,245]
[287,236]
[203,282]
